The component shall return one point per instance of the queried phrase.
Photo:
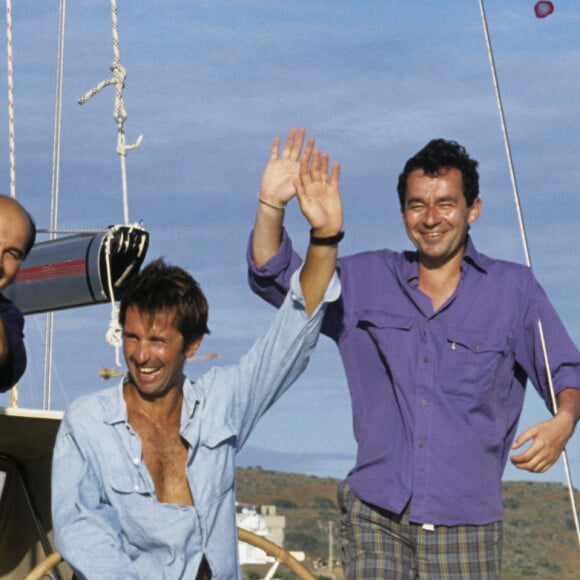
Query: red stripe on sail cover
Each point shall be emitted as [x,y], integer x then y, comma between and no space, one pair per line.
[51,271]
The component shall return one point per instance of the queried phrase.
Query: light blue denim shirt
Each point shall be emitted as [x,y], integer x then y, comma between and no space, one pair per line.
[107,520]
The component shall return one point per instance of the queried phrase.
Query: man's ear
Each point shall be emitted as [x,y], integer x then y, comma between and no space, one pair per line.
[475,210]
[191,349]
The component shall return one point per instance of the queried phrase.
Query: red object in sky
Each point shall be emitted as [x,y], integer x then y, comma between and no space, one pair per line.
[543,9]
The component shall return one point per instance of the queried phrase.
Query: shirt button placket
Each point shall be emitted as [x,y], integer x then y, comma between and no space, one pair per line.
[425,385]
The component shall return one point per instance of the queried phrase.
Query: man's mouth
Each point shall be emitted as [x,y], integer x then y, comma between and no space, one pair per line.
[147,370]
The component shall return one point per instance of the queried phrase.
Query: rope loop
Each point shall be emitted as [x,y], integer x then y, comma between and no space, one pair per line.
[119,110]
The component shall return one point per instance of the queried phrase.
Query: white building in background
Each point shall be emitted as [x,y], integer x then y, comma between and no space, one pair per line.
[261,520]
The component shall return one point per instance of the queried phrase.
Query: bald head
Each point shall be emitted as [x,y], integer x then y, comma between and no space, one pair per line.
[17,236]
[13,207]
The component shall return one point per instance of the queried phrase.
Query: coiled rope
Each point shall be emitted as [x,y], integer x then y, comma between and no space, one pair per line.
[526,250]
[120,115]
[113,334]
[119,110]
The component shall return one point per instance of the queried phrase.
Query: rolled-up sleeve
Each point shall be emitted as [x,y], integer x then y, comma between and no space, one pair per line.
[272,280]
[561,354]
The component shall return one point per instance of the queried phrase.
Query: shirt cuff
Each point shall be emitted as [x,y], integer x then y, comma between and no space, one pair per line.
[276,264]
[331,293]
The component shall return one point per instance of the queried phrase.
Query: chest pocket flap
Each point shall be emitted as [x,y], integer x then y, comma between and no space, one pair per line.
[218,434]
[471,361]
[475,340]
[381,319]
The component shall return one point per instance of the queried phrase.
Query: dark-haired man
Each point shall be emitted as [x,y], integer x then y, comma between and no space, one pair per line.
[437,346]
[143,474]
[17,236]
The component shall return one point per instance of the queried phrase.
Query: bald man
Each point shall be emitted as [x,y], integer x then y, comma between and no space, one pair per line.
[17,236]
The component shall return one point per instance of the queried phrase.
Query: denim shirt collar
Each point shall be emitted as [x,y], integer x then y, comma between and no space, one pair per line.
[116,411]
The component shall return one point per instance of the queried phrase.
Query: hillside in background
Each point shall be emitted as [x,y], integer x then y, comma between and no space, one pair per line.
[540,539]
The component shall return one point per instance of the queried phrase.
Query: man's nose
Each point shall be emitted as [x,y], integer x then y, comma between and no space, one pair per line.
[141,351]
[431,216]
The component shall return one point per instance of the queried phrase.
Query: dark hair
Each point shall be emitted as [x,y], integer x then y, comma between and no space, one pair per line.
[159,287]
[437,156]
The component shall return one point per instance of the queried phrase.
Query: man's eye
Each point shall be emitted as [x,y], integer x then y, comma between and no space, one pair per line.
[16,255]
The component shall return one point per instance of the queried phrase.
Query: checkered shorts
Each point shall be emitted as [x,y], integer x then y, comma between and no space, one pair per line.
[378,544]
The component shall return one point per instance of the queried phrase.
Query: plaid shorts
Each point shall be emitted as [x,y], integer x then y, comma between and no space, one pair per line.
[376,543]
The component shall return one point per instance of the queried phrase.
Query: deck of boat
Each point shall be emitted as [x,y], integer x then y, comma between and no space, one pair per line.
[26,442]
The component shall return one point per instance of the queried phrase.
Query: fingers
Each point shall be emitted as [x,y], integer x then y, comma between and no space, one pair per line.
[545,449]
[293,145]
[298,141]
[314,166]
[522,439]
[324,167]
[305,162]
[530,460]
[275,147]
[307,155]
[335,177]
[533,461]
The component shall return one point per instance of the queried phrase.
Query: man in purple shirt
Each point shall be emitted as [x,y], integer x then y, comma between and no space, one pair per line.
[437,345]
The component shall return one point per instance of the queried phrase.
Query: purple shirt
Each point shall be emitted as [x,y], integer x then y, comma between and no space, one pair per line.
[436,396]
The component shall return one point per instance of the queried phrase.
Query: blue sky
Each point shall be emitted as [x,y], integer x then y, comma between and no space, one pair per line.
[210,83]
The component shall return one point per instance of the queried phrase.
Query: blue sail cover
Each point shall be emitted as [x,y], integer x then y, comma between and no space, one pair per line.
[72,271]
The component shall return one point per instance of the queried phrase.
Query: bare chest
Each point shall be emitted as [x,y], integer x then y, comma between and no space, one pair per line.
[165,455]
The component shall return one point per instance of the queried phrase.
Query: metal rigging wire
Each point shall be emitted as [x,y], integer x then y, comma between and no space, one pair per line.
[526,250]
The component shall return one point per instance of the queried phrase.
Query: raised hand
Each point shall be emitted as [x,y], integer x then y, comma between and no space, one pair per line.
[318,192]
[278,186]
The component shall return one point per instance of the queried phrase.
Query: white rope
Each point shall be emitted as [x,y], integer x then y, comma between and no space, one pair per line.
[113,333]
[12,144]
[119,111]
[10,99]
[527,253]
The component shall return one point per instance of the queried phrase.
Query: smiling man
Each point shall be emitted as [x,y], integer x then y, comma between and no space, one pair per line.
[17,236]
[143,473]
[437,345]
